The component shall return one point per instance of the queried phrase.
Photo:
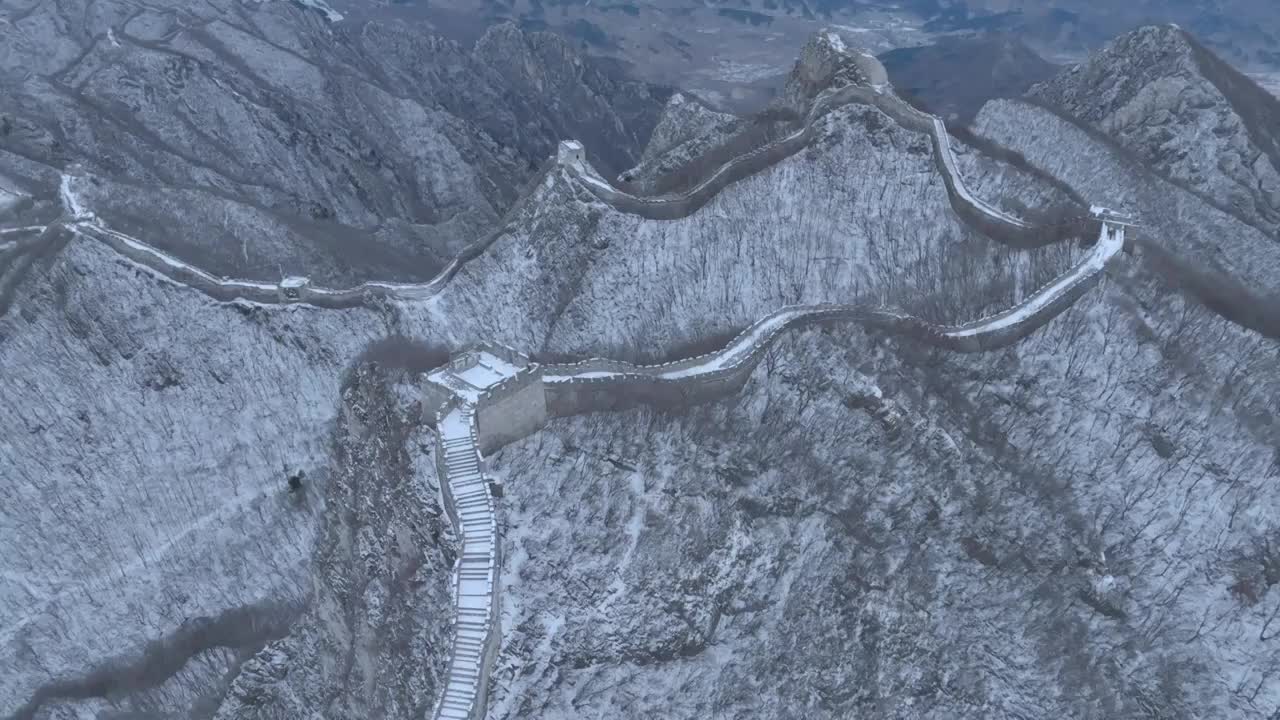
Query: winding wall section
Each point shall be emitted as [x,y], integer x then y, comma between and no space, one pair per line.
[599,384]
[979,214]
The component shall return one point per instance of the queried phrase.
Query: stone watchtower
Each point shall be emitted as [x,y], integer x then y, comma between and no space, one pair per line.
[570,152]
[503,385]
[291,289]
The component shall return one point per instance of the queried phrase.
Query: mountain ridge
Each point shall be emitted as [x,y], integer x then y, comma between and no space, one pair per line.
[1150,88]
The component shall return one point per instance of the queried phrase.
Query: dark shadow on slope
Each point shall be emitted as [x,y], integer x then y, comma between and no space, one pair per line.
[397,352]
[16,263]
[244,629]
[1217,290]
[638,353]
[373,641]
[400,352]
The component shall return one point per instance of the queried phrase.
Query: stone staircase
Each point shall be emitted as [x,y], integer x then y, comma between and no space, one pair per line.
[476,570]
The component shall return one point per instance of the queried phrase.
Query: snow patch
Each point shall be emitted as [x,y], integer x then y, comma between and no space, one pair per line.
[71,200]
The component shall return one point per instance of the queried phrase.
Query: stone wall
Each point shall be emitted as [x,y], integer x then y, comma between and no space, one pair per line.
[510,410]
[628,386]
[646,386]
[980,215]
[435,398]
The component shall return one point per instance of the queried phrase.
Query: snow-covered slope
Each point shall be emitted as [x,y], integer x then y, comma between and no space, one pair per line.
[260,140]
[147,437]
[849,537]
[874,527]
[1184,112]
[123,408]
[686,129]
[1212,253]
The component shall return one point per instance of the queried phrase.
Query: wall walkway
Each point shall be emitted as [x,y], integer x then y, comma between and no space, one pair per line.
[988,333]
[978,213]
[470,505]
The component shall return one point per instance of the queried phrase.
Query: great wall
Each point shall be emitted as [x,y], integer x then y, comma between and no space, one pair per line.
[489,396]
[843,77]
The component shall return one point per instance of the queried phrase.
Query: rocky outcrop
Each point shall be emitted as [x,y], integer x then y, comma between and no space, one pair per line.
[1184,112]
[375,635]
[687,129]
[683,119]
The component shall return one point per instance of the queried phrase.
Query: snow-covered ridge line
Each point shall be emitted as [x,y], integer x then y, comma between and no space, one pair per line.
[85,224]
[223,288]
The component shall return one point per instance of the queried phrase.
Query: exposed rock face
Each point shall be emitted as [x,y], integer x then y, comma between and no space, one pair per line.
[375,636]
[687,129]
[1184,112]
[684,118]
[260,140]
[823,63]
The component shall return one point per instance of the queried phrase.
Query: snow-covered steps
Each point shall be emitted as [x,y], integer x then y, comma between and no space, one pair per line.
[475,580]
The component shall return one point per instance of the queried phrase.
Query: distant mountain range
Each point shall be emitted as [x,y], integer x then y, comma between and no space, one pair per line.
[955,76]
[735,53]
